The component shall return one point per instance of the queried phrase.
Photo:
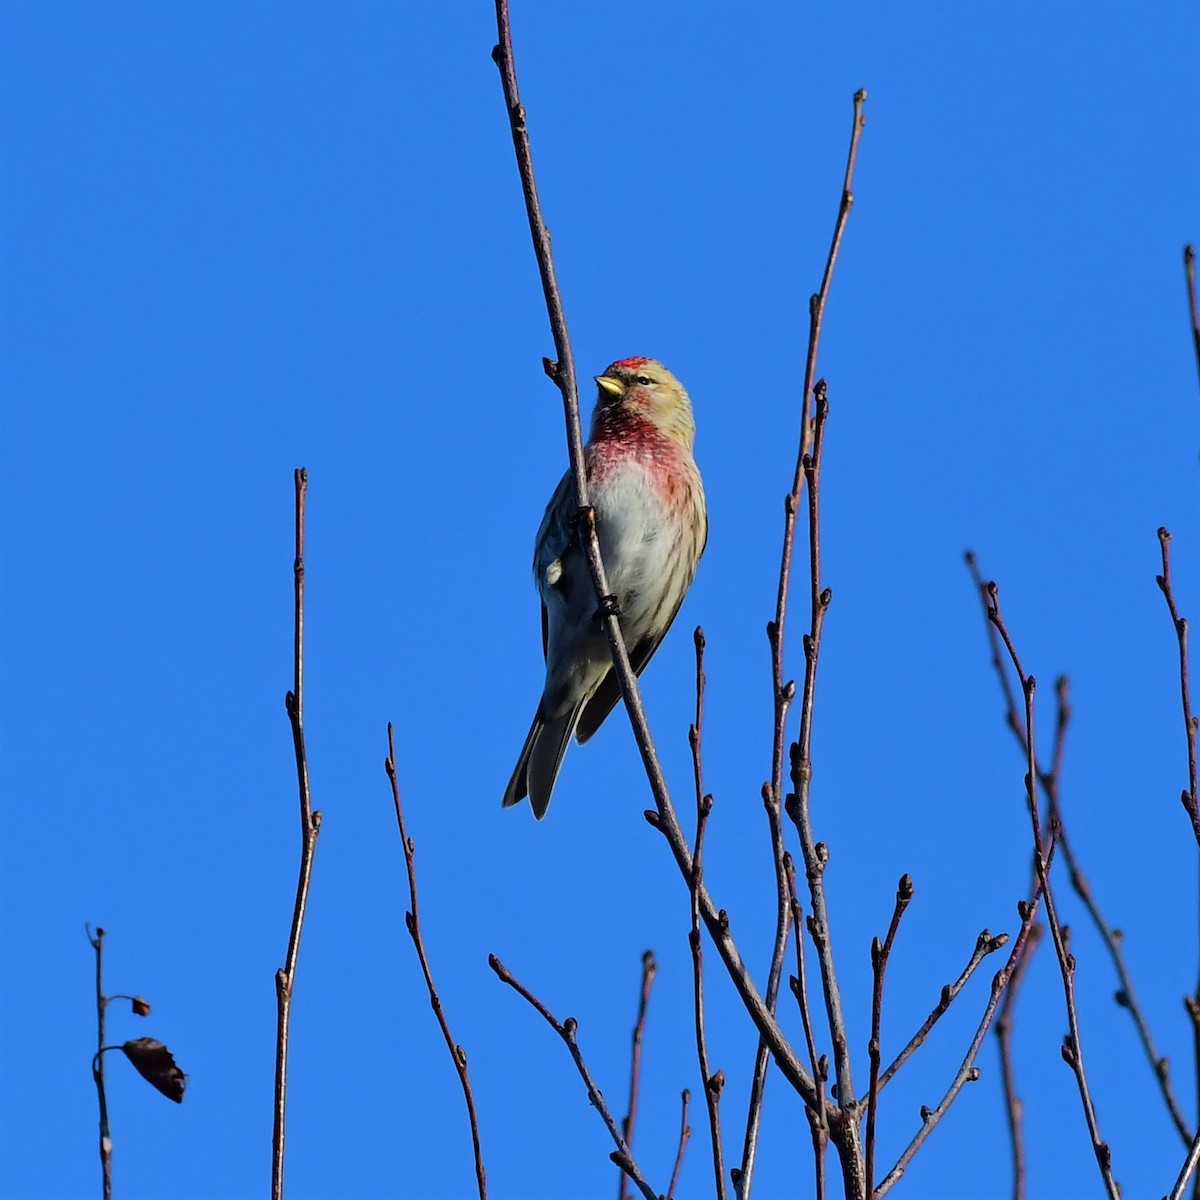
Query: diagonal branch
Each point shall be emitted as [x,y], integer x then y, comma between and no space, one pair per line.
[663,817]
[567,1030]
[310,827]
[412,921]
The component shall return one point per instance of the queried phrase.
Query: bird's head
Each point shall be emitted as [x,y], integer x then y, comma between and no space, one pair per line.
[644,389]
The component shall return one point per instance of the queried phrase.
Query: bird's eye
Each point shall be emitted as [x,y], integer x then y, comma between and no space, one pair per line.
[644,380]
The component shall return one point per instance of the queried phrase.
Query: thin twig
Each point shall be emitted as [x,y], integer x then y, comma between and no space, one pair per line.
[663,817]
[985,944]
[1185,1172]
[819,1064]
[1189,271]
[412,921]
[649,967]
[310,827]
[784,692]
[1013,1108]
[685,1132]
[1126,994]
[97,943]
[880,953]
[1189,797]
[967,1072]
[712,1083]
[843,1119]
[567,1030]
[1072,1049]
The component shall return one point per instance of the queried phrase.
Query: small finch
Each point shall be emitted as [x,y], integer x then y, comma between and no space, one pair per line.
[652,526]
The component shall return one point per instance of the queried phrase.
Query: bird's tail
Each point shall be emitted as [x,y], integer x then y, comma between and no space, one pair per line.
[541,757]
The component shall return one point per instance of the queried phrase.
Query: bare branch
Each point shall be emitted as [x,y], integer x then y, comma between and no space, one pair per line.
[1186,1171]
[663,817]
[412,921]
[1189,721]
[880,953]
[1072,1050]
[711,1083]
[1189,271]
[1014,1109]
[985,944]
[685,1132]
[817,1124]
[1126,994]
[783,692]
[97,944]
[843,1120]
[967,1072]
[310,828]
[567,1030]
[649,967]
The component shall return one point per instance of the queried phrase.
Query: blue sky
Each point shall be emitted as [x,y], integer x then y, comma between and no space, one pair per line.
[241,238]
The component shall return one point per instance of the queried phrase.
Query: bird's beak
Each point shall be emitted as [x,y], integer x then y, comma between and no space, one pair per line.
[610,384]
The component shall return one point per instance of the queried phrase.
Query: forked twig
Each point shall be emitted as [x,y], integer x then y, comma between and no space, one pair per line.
[310,828]
[783,692]
[1072,1049]
[880,953]
[567,1030]
[985,944]
[967,1072]
[711,1082]
[412,922]
[649,968]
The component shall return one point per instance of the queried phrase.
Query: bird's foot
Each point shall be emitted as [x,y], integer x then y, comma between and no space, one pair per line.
[610,606]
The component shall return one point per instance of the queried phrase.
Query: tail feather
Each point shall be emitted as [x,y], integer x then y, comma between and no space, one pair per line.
[546,759]
[541,758]
[517,788]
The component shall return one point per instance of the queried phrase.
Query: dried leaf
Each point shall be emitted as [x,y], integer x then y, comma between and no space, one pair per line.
[155,1064]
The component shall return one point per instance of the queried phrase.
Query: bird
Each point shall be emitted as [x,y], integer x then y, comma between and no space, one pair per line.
[652,525]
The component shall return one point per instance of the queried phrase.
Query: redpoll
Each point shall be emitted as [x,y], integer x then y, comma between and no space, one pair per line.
[651,522]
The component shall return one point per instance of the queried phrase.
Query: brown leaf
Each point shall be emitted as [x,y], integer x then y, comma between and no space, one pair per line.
[155,1064]
[141,1008]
